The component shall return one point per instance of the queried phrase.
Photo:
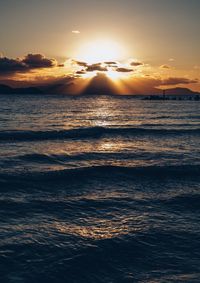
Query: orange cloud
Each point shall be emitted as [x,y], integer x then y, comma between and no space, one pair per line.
[136,64]
[165,67]
[123,70]
[176,81]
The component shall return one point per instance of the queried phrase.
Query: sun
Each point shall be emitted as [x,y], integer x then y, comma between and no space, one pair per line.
[103,56]
[100,50]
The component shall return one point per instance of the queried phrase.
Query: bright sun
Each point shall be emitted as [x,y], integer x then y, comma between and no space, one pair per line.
[101,51]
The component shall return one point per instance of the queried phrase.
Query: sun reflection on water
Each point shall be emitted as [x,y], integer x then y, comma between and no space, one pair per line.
[100,229]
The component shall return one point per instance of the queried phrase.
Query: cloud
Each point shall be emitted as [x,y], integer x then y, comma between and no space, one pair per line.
[101,66]
[176,81]
[110,63]
[165,67]
[76,31]
[136,64]
[171,60]
[96,67]
[38,61]
[11,65]
[29,62]
[123,70]
[82,72]
[80,63]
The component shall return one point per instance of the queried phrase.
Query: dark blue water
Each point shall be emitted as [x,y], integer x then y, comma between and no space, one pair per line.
[99,189]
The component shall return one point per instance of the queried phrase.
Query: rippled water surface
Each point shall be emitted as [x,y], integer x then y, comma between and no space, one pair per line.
[99,189]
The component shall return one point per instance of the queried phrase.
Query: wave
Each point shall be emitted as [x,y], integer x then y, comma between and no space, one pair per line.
[40,158]
[91,132]
[108,171]
[184,202]
[88,156]
[126,258]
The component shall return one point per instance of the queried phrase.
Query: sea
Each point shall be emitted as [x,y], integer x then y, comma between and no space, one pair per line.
[99,189]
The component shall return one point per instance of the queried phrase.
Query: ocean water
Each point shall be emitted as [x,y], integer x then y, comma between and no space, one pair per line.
[99,189]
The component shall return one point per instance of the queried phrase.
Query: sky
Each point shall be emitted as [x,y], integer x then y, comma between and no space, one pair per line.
[163,35]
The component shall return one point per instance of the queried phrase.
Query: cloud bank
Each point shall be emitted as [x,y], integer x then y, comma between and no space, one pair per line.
[28,63]
[39,70]
[177,81]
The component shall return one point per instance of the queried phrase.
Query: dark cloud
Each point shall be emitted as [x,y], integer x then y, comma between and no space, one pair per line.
[136,64]
[101,67]
[38,61]
[82,72]
[80,63]
[110,63]
[123,70]
[176,81]
[84,64]
[96,67]
[11,65]
[29,62]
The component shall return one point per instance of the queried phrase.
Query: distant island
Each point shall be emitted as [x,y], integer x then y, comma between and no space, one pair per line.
[175,94]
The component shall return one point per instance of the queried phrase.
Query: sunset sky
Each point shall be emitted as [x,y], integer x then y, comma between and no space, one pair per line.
[153,43]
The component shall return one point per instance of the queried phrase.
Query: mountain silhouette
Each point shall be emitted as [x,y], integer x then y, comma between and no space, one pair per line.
[4,89]
[100,84]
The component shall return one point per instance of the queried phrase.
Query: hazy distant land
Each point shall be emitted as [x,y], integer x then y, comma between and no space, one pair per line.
[184,93]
